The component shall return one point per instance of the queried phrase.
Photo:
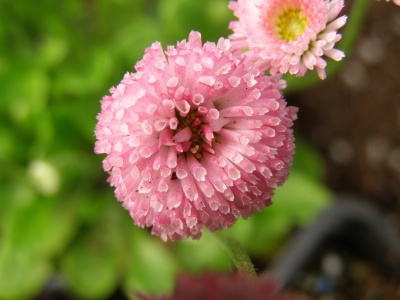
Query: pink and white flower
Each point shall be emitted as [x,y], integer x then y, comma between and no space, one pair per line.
[397,2]
[224,286]
[195,138]
[288,35]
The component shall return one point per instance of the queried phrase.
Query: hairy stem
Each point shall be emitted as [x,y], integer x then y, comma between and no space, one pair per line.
[237,253]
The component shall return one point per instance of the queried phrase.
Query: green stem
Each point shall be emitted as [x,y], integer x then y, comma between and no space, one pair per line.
[350,34]
[237,253]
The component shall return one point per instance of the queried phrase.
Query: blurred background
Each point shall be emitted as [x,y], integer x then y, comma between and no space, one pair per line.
[63,235]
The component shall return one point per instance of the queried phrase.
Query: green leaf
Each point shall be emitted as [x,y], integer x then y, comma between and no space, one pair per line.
[10,145]
[91,266]
[22,275]
[83,114]
[86,75]
[25,93]
[301,198]
[41,229]
[308,161]
[179,17]
[16,193]
[33,232]
[130,47]
[296,203]
[205,253]
[93,207]
[152,267]
[53,49]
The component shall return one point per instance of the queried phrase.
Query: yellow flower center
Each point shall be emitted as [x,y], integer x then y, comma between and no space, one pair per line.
[290,23]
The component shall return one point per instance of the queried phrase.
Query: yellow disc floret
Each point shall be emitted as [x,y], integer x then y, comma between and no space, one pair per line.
[290,23]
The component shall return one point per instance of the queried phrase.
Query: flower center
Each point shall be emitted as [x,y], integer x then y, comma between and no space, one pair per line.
[290,23]
[193,122]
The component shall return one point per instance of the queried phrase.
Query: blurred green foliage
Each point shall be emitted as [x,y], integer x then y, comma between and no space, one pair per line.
[58,216]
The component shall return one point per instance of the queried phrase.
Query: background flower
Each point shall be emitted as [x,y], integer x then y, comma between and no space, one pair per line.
[196,140]
[397,2]
[215,286]
[288,35]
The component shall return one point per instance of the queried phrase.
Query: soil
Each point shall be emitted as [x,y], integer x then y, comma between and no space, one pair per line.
[361,281]
[340,270]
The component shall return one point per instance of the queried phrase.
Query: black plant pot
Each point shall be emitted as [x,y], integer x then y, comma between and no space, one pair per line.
[348,226]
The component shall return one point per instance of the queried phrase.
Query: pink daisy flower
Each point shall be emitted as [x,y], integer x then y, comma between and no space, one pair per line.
[288,35]
[397,2]
[195,138]
[221,286]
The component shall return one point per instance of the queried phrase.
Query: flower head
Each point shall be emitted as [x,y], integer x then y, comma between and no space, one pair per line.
[195,138]
[220,286]
[397,2]
[288,35]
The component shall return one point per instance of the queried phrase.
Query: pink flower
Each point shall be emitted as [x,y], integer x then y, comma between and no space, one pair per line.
[397,2]
[196,140]
[219,286]
[288,35]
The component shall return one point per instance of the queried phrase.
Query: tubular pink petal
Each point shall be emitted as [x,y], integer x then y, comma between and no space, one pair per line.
[198,99]
[309,60]
[182,136]
[183,107]
[335,25]
[335,54]
[335,6]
